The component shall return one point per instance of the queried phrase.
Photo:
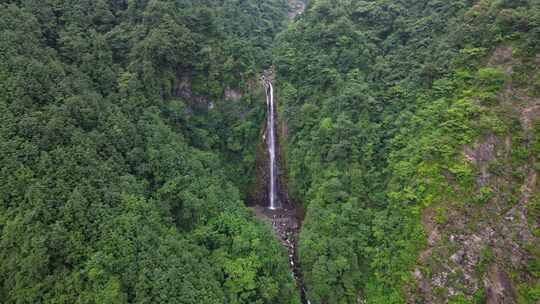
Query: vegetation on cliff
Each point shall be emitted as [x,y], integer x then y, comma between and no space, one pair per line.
[389,105]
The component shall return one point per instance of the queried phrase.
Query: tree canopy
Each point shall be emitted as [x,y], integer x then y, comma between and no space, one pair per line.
[114,187]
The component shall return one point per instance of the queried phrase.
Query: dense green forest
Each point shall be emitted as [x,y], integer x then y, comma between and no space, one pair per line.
[413,145]
[409,133]
[115,181]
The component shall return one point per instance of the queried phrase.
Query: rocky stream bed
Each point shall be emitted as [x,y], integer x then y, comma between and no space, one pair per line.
[286,224]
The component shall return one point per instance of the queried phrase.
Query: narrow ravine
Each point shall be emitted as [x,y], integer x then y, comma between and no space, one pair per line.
[286,224]
[283,216]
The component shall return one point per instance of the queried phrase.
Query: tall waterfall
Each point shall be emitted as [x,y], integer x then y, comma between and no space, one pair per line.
[271,142]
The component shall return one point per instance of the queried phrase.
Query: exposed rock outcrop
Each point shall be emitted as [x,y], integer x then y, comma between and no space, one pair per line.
[478,246]
[296,7]
[498,286]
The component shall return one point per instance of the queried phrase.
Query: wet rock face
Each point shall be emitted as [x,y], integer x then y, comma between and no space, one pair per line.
[259,194]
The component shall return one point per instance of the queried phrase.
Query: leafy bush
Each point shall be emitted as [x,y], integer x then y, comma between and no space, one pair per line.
[491,79]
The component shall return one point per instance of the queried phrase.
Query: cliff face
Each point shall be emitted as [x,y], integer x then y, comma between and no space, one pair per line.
[490,248]
[259,193]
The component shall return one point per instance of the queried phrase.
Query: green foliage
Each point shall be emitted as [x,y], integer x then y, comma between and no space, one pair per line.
[486,193]
[537,84]
[123,169]
[459,299]
[533,211]
[528,294]
[381,98]
[237,247]
[490,78]
[114,187]
[486,259]
[479,296]
[441,215]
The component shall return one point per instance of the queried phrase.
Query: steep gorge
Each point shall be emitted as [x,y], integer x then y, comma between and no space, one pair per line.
[282,214]
[400,142]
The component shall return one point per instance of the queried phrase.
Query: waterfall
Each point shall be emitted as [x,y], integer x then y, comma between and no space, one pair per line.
[271,142]
[285,220]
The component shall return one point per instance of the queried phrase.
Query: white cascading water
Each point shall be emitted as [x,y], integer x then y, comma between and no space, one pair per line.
[273,193]
[271,142]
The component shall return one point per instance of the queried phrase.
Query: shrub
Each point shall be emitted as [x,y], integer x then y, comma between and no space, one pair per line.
[490,79]
[486,193]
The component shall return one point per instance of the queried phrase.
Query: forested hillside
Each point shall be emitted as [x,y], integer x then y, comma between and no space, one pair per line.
[409,135]
[120,121]
[413,145]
